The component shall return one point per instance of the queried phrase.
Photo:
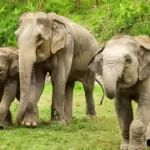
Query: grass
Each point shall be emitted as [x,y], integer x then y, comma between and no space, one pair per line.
[82,133]
[101,133]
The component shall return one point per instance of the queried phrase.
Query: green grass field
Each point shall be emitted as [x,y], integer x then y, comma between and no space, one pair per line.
[101,133]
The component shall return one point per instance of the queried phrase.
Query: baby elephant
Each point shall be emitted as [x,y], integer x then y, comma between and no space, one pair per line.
[124,63]
[8,82]
[9,88]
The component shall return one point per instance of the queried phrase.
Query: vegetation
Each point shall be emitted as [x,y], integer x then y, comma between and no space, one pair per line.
[101,133]
[109,18]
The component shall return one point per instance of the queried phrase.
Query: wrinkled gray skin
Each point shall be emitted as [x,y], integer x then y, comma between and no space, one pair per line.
[124,63]
[68,47]
[9,88]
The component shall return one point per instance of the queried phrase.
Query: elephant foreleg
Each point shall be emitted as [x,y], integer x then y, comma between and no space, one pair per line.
[8,119]
[88,88]
[60,75]
[125,116]
[68,101]
[58,97]
[31,116]
[139,125]
[8,97]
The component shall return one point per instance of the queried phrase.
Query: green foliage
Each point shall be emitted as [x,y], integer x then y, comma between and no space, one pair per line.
[111,17]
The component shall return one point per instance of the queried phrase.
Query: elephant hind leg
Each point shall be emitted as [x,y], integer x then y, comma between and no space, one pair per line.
[88,84]
[68,101]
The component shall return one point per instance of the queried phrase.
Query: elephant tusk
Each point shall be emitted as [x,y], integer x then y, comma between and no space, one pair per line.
[102,99]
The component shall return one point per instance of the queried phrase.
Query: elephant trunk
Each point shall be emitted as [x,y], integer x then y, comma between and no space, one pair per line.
[110,78]
[27,57]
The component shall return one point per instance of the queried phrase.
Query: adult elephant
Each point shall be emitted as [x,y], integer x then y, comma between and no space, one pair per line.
[68,48]
[124,63]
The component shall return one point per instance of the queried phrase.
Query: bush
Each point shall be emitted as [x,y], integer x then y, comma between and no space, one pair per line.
[111,17]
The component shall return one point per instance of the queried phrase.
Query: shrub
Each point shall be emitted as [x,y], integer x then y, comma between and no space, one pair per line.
[109,18]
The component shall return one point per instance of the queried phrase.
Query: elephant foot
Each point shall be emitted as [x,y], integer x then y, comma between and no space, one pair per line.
[29,123]
[124,145]
[91,116]
[137,147]
[30,118]
[57,118]
[61,122]
[2,126]
[68,118]
[7,121]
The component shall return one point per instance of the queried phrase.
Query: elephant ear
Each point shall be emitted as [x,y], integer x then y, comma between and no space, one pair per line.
[14,66]
[96,62]
[59,33]
[144,56]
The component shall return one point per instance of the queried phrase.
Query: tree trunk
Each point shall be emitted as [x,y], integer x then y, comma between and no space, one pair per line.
[40,5]
[78,3]
[96,2]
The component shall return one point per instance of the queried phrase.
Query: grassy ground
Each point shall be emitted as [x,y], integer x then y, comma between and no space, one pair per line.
[82,133]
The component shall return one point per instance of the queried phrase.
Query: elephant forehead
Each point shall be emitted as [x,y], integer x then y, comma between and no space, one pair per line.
[116,50]
[33,15]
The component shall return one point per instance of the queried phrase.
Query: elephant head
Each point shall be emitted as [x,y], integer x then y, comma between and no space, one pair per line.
[39,36]
[8,63]
[123,61]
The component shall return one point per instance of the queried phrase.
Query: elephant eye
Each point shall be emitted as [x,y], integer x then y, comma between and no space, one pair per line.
[128,59]
[39,38]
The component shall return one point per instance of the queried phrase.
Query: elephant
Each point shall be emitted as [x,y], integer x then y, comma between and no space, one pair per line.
[8,69]
[124,63]
[10,87]
[68,47]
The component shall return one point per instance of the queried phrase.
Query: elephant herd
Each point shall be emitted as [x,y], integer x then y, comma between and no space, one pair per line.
[50,43]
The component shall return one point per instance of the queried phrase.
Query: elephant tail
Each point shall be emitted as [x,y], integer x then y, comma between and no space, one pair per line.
[102,99]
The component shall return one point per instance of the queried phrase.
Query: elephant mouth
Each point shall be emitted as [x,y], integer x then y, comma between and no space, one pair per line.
[125,83]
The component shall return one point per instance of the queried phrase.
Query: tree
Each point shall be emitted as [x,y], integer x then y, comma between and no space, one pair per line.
[78,3]
[96,1]
[40,5]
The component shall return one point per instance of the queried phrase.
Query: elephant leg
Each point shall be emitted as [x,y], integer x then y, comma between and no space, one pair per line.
[31,116]
[60,73]
[139,126]
[8,119]
[68,101]
[125,116]
[8,97]
[88,88]
[58,98]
